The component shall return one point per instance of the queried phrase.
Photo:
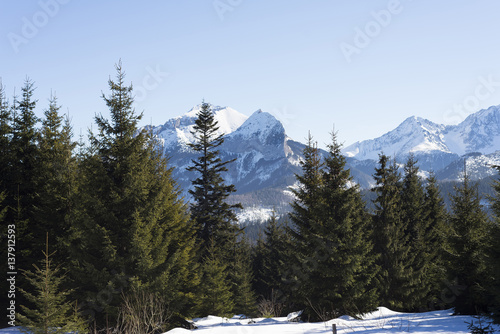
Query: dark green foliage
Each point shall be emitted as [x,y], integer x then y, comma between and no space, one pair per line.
[131,228]
[213,216]
[467,245]
[5,137]
[494,253]
[53,313]
[22,172]
[215,296]
[56,182]
[421,229]
[481,326]
[241,276]
[391,241]
[333,240]
[270,261]
[436,233]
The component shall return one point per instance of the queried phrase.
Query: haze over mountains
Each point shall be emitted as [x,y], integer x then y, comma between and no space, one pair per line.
[267,159]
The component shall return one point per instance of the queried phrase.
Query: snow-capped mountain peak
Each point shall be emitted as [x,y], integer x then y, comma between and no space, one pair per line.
[479,132]
[178,131]
[413,135]
[260,126]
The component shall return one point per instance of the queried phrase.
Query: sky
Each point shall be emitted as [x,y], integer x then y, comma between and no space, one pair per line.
[360,67]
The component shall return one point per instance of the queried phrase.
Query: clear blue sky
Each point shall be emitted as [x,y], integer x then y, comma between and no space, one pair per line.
[362,66]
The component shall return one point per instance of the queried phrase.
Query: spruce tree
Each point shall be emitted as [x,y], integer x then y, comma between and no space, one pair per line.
[436,232]
[273,254]
[213,216]
[5,138]
[53,312]
[304,216]
[215,296]
[56,182]
[241,276]
[412,210]
[339,261]
[467,249]
[390,238]
[131,228]
[493,287]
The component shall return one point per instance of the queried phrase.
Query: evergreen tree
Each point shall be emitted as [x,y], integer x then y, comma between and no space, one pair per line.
[213,216]
[412,210]
[273,254]
[241,276]
[131,228]
[436,232]
[53,313]
[5,138]
[303,217]
[56,182]
[339,261]
[468,242]
[494,253]
[390,238]
[215,293]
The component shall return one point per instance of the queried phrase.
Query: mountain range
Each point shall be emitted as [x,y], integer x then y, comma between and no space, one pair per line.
[267,159]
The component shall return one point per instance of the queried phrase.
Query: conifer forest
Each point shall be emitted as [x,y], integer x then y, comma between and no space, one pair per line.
[100,238]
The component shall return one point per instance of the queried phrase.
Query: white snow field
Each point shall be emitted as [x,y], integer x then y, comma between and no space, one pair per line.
[381,321]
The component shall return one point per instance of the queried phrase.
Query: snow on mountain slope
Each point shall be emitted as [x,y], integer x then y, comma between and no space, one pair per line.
[480,132]
[177,131]
[413,135]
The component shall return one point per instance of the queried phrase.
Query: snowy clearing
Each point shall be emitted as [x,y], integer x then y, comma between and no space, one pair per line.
[381,321]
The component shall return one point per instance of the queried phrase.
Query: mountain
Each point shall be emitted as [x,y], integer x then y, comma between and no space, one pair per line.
[436,146]
[175,134]
[267,159]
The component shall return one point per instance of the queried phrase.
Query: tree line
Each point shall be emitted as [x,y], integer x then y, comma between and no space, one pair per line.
[122,239]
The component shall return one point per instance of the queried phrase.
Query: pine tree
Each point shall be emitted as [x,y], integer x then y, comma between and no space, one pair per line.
[468,242]
[390,238]
[412,209]
[437,230]
[304,216]
[272,259]
[338,261]
[213,216]
[131,228]
[494,253]
[215,293]
[241,276]
[5,138]
[53,313]
[56,182]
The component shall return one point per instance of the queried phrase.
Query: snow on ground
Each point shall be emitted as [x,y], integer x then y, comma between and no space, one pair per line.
[381,321]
